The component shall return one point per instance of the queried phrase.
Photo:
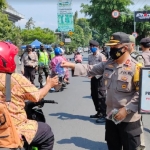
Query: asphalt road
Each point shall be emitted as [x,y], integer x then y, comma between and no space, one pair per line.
[70,122]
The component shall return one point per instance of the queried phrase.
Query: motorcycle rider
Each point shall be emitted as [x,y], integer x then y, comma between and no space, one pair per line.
[37,133]
[78,57]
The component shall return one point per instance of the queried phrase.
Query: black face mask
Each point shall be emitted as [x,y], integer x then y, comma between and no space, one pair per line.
[115,53]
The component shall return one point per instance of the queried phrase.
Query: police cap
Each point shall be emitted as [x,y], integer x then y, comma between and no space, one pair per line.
[145,42]
[93,42]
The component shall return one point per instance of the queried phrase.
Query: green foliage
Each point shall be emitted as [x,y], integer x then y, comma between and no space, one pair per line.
[3,4]
[5,27]
[143,28]
[102,21]
[45,35]
[30,24]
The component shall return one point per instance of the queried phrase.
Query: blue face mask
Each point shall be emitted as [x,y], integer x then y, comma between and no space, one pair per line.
[93,49]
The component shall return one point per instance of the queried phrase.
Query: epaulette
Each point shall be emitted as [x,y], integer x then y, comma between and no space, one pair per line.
[133,60]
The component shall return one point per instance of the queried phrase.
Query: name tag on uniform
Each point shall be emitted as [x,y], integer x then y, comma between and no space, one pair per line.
[126,73]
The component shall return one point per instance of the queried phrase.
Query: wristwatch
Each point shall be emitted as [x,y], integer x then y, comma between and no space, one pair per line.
[128,110]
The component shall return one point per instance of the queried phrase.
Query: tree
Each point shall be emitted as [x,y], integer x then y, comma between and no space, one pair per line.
[100,16]
[75,17]
[84,24]
[3,4]
[5,27]
[143,28]
[45,35]
[30,24]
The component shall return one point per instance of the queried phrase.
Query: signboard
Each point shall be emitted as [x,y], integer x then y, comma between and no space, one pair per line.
[144,91]
[135,34]
[142,16]
[64,6]
[61,43]
[65,16]
[115,14]
[70,33]
[67,40]
[65,22]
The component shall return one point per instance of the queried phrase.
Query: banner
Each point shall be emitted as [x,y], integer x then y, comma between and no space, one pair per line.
[65,16]
[142,16]
[144,91]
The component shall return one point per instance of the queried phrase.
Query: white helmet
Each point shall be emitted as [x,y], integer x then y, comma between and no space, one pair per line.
[62,51]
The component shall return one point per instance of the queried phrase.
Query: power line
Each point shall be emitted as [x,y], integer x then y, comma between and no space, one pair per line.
[134,5]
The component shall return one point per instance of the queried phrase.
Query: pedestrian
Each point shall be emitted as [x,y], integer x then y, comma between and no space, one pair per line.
[43,64]
[145,45]
[29,62]
[95,58]
[121,78]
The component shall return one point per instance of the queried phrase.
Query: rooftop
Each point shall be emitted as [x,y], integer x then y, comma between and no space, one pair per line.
[13,15]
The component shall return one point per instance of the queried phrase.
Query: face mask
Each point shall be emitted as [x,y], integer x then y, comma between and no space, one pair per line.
[93,49]
[115,53]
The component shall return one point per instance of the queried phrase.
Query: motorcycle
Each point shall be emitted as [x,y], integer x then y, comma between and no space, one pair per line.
[34,112]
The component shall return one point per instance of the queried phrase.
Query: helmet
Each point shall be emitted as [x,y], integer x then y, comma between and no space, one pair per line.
[62,51]
[57,51]
[8,52]
[93,49]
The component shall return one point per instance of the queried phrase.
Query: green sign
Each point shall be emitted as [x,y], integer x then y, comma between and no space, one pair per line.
[65,22]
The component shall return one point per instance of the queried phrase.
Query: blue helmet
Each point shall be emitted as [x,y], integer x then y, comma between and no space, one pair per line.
[57,51]
[93,49]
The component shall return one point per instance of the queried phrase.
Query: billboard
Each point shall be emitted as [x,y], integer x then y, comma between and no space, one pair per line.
[142,16]
[144,91]
[65,16]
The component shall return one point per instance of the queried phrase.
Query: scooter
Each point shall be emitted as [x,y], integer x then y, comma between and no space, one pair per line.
[34,112]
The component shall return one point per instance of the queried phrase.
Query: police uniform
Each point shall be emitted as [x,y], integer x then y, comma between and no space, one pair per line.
[145,42]
[121,82]
[29,62]
[97,93]
[139,58]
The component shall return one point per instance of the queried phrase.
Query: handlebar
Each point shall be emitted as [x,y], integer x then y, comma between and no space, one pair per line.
[49,101]
[30,105]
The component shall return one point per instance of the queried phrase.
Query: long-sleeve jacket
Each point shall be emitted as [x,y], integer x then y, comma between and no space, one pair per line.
[118,80]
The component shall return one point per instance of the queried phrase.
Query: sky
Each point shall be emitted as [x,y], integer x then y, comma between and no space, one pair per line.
[44,12]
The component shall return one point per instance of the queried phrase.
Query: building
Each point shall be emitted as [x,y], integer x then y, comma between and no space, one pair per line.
[13,15]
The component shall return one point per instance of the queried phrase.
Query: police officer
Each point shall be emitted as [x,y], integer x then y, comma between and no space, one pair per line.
[43,64]
[95,58]
[134,54]
[120,77]
[139,58]
[145,45]
[29,62]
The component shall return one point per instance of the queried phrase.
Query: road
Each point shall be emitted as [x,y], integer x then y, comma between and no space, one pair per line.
[70,122]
